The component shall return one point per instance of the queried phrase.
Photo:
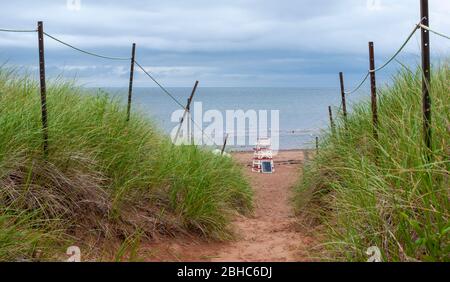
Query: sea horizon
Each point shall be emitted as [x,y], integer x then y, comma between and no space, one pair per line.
[303,111]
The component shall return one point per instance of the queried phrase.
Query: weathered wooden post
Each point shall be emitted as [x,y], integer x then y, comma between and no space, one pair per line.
[344,106]
[373,91]
[188,120]
[426,79]
[130,86]
[317,145]
[43,87]
[330,114]
[186,111]
[224,144]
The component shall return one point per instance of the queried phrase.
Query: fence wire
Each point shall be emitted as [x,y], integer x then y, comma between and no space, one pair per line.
[159,84]
[87,52]
[433,31]
[17,30]
[359,85]
[416,27]
[398,51]
[175,100]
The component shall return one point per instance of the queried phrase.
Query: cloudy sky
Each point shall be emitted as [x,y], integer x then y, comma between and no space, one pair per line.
[302,43]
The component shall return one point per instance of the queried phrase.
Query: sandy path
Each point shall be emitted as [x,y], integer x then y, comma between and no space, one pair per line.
[271,234]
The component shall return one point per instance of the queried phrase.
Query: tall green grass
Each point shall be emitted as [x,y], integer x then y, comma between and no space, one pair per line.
[105,175]
[23,236]
[385,193]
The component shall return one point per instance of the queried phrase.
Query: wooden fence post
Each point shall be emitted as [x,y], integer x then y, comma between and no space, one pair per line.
[43,87]
[330,113]
[188,121]
[426,78]
[373,91]
[317,145]
[186,111]
[344,106]
[130,86]
[224,144]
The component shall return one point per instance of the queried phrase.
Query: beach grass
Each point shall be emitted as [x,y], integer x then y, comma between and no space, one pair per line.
[364,192]
[103,175]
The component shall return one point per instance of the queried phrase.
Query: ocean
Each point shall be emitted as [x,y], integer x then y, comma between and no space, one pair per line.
[303,112]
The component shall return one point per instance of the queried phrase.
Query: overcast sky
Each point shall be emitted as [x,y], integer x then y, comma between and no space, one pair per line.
[302,43]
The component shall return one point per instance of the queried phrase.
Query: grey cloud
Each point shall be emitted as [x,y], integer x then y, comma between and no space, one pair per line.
[237,41]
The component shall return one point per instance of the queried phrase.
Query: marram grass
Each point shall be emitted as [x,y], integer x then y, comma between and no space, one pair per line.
[103,175]
[385,193]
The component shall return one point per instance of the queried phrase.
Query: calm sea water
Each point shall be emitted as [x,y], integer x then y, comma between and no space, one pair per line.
[303,112]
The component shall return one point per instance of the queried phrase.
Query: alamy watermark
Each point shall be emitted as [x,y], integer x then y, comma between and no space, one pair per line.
[73,5]
[74,254]
[374,254]
[243,128]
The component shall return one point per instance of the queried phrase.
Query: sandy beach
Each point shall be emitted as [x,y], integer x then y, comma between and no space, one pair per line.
[272,233]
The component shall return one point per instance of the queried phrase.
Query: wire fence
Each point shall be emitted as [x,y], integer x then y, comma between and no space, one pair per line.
[416,27]
[159,84]
[135,62]
[392,58]
[146,72]
[372,70]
